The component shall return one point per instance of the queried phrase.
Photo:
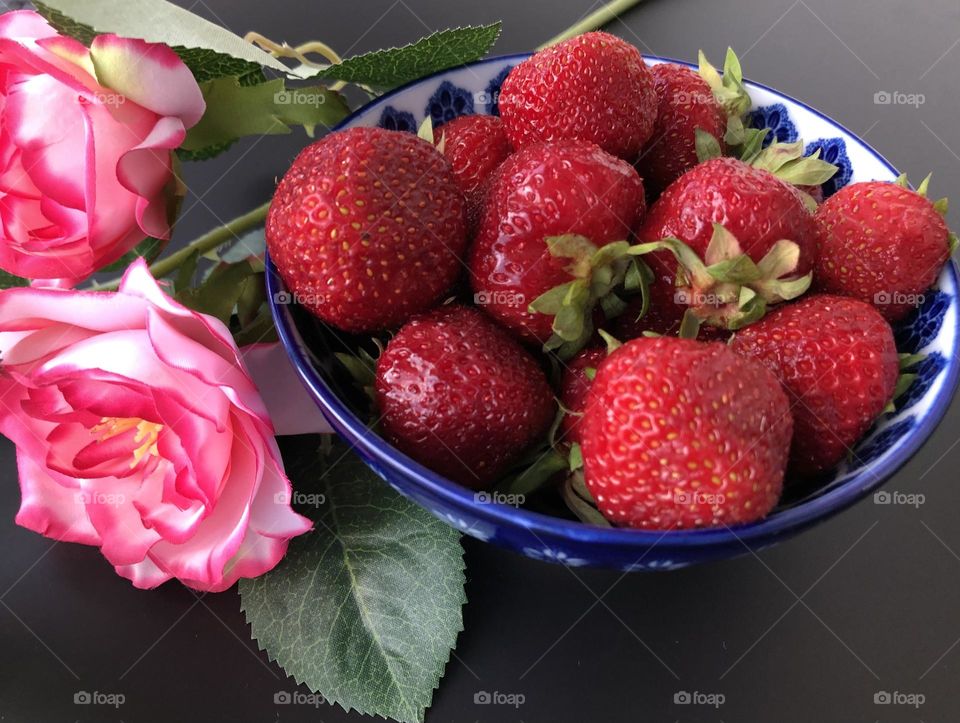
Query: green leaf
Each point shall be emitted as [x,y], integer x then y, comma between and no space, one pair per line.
[149,250]
[218,295]
[9,281]
[396,66]
[156,21]
[365,609]
[235,111]
[707,146]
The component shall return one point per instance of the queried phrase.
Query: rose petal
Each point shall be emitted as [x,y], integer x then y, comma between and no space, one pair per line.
[49,508]
[150,74]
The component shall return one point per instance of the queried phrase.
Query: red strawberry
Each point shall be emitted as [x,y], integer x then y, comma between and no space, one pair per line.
[574,386]
[593,87]
[881,243]
[686,103]
[367,228]
[837,360]
[542,192]
[459,395]
[752,204]
[664,314]
[682,434]
[475,145]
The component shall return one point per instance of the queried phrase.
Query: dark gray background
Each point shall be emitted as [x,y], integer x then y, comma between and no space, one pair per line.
[809,630]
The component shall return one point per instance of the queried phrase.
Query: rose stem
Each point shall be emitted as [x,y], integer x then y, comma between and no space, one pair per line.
[594,20]
[254,218]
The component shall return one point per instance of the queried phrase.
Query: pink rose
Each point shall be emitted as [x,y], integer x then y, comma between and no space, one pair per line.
[139,430]
[86,141]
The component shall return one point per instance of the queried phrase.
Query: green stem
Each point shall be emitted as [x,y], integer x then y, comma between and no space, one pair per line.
[593,21]
[254,218]
[209,241]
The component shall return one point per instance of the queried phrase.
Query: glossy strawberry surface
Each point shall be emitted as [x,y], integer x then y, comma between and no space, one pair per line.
[880,243]
[367,228]
[685,103]
[684,434]
[837,360]
[475,145]
[593,87]
[574,386]
[459,395]
[552,189]
[752,204]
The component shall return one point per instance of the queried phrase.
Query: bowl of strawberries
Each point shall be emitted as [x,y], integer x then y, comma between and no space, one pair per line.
[611,310]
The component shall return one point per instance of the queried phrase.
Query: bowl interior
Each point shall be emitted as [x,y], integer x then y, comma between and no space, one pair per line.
[932,330]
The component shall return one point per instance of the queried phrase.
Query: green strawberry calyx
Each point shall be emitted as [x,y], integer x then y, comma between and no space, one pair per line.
[598,273]
[728,89]
[727,288]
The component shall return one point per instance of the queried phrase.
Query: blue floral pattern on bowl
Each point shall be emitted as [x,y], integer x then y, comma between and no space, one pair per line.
[833,150]
[776,117]
[924,325]
[927,371]
[397,120]
[933,330]
[449,102]
[492,92]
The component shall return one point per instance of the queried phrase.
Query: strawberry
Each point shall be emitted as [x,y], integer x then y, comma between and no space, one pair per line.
[574,386]
[682,434]
[569,192]
[475,145]
[758,213]
[686,104]
[882,243]
[367,228]
[593,87]
[459,395]
[837,360]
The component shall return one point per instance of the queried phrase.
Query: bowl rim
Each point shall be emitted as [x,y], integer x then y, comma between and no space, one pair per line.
[789,520]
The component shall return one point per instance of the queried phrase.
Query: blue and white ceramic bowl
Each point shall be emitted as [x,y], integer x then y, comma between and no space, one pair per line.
[933,330]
